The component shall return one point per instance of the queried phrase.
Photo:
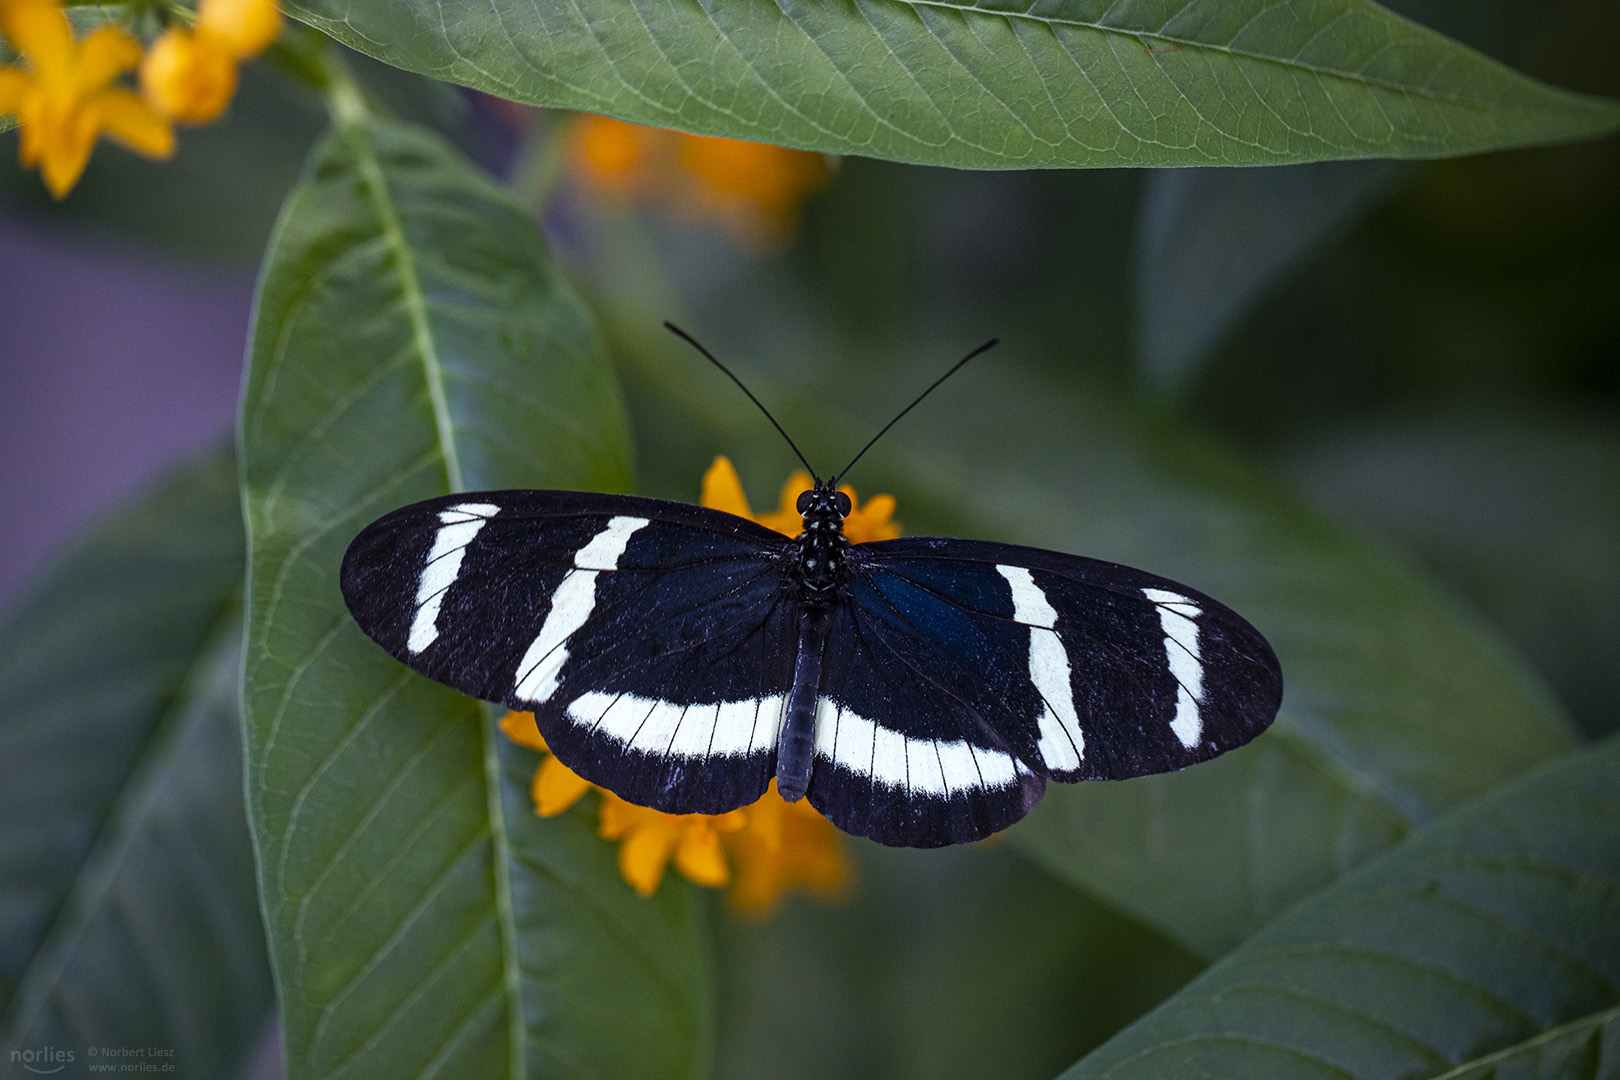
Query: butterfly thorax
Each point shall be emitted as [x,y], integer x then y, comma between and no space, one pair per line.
[822,544]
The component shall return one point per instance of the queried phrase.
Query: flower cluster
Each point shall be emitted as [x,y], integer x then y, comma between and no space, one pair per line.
[760,851]
[754,190]
[66,92]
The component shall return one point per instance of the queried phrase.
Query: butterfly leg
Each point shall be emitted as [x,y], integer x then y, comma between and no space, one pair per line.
[795,749]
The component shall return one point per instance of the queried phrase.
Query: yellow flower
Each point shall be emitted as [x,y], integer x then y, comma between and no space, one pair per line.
[246,27]
[190,74]
[611,158]
[723,491]
[63,98]
[753,189]
[782,846]
[649,838]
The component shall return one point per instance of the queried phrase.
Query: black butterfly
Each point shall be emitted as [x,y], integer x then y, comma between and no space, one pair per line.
[919,691]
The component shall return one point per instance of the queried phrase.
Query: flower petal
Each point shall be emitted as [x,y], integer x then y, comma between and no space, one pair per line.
[246,27]
[521,729]
[103,56]
[872,521]
[556,788]
[39,30]
[189,77]
[700,856]
[14,84]
[64,150]
[125,117]
[786,519]
[723,491]
[643,856]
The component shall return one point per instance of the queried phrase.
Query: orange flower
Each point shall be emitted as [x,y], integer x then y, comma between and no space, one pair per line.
[190,74]
[782,846]
[64,96]
[612,158]
[723,491]
[649,838]
[753,189]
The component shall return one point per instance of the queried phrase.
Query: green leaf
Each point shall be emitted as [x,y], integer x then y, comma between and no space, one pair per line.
[412,338]
[990,85]
[1520,513]
[1210,242]
[1396,707]
[128,910]
[1488,946]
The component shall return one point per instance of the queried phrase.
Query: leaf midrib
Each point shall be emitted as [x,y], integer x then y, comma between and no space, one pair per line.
[433,374]
[393,234]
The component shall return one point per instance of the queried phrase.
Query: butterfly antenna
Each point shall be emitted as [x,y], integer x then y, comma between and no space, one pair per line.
[692,341]
[986,347]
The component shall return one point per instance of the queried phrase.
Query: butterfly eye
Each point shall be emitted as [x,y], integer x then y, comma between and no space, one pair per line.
[804,501]
[842,504]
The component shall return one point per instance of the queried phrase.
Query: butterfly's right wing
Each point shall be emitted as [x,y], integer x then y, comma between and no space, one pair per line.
[963,673]
[652,640]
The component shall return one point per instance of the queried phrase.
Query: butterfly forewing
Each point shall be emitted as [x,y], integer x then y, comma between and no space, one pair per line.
[652,640]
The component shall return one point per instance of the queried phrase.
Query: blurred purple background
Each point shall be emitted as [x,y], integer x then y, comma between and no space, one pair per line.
[114,363]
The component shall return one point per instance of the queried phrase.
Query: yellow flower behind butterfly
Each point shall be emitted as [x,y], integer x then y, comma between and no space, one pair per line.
[65,93]
[753,190]
[760,851]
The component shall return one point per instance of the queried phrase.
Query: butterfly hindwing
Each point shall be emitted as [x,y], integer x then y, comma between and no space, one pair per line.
[966,672]
[652,640]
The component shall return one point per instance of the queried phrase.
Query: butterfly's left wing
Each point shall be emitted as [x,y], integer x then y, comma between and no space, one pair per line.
[961,674]
[652,640]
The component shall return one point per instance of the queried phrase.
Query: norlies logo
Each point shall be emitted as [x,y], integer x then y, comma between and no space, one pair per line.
[44,1061]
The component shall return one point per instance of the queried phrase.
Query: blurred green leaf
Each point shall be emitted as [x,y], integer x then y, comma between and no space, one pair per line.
[1521,513]
[129,915]
[1211,241]
[1069,83]
[1488,946]
[412,338]
[963,963]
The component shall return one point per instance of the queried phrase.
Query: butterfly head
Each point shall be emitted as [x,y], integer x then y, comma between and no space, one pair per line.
[822,543]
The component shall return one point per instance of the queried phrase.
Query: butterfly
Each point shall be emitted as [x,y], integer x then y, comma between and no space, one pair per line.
[919,691]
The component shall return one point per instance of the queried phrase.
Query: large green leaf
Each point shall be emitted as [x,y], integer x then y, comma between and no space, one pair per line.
[1488,946]
[412,338]
[988,84]
[129,917]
